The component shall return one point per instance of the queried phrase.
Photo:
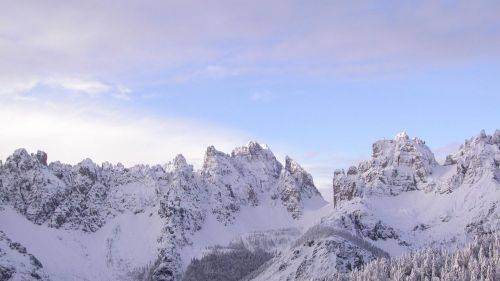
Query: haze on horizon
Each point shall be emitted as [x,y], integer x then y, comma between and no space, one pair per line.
[139,82]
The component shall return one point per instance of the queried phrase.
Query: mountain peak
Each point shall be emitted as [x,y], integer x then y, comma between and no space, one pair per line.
[25,161]
[212,151]
[477,158]
[179,160]
[396,166]
[20,154]
[482,134]
[88,163]
[253,149]
[178,163]
[42,157]
[254,145]
[484,137]
[401,136]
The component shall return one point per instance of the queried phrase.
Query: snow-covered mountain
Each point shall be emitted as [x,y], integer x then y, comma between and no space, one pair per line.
[108,222]
[398,201]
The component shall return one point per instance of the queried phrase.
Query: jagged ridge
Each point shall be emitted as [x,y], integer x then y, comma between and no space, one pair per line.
[405,164]
[86,196]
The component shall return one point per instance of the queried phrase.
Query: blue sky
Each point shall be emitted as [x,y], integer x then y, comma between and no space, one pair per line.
[138,82]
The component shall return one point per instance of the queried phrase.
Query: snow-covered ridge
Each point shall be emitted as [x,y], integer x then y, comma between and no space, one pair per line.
[477,158]
[50,193]
[148,222]
[404,194]
[405,164]
[181,202]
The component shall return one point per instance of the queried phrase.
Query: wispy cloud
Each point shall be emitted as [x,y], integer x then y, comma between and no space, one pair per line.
[16,87]
[90,87]
[109,38]
[71,85]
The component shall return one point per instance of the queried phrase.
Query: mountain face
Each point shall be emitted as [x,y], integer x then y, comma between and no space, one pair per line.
[85,205]
[397,165]
[405,164]
[108,222]
[408,165]
[476,159]
[401,200]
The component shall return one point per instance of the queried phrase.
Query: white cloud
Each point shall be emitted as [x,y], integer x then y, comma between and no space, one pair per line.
[70,133]
[15,87]
[71,85]
[90,87]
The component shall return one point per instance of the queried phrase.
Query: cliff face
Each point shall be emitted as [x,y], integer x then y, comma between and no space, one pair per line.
[396,166]
[478,158]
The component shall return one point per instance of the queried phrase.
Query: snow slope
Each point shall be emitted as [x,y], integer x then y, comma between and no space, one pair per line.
[16,263]
[126,242]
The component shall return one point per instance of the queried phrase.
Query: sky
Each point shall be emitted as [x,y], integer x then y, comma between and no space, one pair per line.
[141,81]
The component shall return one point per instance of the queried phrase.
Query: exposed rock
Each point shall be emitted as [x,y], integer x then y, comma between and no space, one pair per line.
[42,157]
[477,158]
[397,165]
[295,185]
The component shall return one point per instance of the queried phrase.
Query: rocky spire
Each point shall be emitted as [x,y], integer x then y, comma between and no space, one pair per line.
[296,186]
[397,165]
[401,136]
[252,173]
[42,157]
[477,158]
[178,163]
